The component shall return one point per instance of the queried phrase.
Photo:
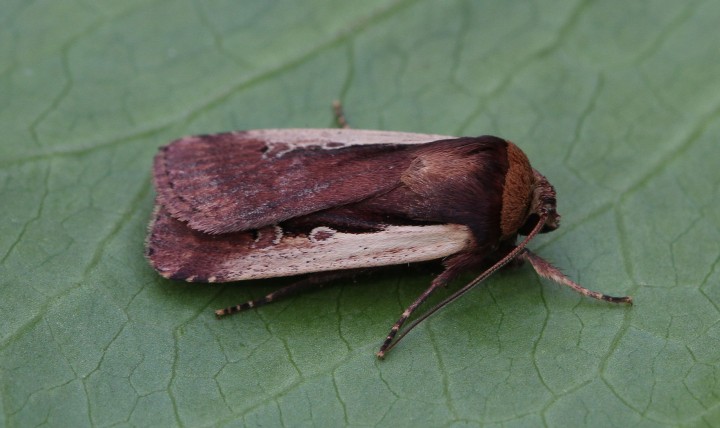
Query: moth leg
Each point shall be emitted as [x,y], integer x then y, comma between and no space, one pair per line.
[440,281]
[314,281]
[340,115]
[547,270]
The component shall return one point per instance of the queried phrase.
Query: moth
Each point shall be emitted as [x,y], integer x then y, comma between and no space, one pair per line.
[282,202]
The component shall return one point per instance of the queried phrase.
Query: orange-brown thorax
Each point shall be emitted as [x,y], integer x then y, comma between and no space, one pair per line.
[517,192]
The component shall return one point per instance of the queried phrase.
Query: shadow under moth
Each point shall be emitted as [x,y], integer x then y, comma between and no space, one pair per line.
[281,202]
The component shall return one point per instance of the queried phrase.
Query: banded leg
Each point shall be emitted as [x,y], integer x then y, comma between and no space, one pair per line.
[547,270]
[314,281]
[440,281]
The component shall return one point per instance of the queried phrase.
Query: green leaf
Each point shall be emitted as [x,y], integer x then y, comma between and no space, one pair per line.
[616,102]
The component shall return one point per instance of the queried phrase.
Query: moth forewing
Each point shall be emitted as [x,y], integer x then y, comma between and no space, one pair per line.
[245,180]
[295,255]
[270,252]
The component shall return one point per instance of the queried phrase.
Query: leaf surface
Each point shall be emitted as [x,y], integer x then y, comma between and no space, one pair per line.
[616,102]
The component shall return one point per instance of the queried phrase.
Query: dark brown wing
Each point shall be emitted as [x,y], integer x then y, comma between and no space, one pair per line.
[239,181]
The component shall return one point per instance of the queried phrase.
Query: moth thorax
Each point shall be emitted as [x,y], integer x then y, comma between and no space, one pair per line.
[517,192]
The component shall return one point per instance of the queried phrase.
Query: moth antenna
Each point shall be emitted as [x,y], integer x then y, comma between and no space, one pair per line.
[546,270]
[389,344]
[340,115]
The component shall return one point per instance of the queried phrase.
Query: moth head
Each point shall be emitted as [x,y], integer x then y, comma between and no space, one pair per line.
[527,197]
[543,203]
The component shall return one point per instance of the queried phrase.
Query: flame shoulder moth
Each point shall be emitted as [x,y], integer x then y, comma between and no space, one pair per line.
[281,202]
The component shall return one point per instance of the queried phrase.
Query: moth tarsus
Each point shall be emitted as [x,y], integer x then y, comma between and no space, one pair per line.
[281,202]
[315,281]
[546,270]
